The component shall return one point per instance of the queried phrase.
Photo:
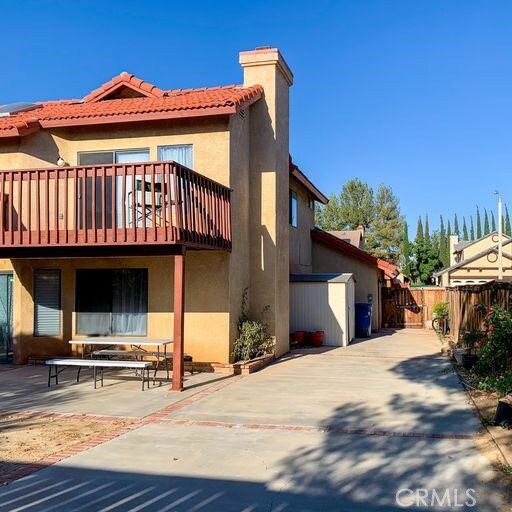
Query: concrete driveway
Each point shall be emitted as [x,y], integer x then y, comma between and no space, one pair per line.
[321,430]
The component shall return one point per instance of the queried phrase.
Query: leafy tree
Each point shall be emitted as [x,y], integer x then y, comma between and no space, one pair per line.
[487,228]
[456,225]
[386,230]
[355,206]
[507,228]
[478,224]
[464,229]
[425,255]
[493,222]
[472,230]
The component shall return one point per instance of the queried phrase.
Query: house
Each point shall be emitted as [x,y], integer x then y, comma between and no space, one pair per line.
[143,211]
[476,262]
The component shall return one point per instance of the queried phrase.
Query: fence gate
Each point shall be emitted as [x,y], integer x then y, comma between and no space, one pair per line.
[410,307]
[402,307]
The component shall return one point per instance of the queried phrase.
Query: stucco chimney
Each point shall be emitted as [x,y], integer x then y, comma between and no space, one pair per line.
[454,239]
[253,62]
[269,188]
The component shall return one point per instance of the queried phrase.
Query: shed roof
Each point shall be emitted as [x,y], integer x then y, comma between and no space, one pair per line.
[321,278]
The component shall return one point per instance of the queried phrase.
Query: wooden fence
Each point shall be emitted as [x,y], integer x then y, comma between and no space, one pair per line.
[410,307]
[463,315]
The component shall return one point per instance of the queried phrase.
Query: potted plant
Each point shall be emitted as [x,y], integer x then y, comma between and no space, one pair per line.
[440,317]
[470,340]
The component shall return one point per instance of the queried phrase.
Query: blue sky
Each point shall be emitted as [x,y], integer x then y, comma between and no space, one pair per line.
[415,94]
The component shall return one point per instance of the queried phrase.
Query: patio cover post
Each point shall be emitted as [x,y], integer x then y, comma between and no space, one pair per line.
[179,301]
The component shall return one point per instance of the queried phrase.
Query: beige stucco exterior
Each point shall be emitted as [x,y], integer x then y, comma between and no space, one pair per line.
[301,247]
[249,154]
[477,262]
[366,275]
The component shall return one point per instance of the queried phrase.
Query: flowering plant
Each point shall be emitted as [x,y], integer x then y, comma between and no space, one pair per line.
[495,347]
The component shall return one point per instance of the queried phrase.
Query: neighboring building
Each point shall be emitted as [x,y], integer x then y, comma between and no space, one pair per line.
[476,262]
[98,221]
[354,237]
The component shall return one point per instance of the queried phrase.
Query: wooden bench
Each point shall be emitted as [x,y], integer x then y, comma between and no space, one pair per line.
[142,366]
[165,357]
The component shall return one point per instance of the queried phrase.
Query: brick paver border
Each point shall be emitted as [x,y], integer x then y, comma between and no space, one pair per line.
[130,423]
[161,416]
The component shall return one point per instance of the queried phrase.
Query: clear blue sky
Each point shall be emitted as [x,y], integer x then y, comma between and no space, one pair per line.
[416,94]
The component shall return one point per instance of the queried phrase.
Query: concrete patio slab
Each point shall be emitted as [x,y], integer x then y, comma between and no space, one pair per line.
[284,439]
[25,388]
[211,469]
[397,382]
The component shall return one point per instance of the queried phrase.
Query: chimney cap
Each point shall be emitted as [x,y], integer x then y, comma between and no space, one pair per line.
[264,47]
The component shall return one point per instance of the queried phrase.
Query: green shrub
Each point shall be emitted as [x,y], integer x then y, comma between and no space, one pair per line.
[501,384]
[440,309]
[254,339]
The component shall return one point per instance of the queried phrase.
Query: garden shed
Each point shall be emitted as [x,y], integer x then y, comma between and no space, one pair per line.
[323,302]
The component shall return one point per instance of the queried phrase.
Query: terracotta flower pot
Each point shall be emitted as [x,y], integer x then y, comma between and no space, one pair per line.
[299,337]
[316,338]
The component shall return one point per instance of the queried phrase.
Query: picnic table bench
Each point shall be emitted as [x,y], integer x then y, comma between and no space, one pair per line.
[95,364]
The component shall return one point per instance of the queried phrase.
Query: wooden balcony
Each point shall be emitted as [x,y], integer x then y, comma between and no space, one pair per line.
[142,208]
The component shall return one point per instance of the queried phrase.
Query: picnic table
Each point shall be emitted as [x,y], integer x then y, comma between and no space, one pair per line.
[138,349]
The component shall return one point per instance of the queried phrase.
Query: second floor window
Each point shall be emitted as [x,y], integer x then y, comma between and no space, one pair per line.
[125,156]
[181,154]
[294,209]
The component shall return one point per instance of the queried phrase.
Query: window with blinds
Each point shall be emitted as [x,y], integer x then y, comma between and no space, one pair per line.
[47,302]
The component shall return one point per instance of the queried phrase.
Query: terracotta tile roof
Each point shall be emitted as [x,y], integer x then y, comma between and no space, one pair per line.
[128,81]
[390,270]
[97,108]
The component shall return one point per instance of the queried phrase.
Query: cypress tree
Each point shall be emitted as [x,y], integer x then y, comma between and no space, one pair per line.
[427,228]
[487,228]
[406,252]
[493,222]
[464,229]
[456,225]
[443,244]
[478,224]
[449,230]
[472,230]
[419,230]
[507,229]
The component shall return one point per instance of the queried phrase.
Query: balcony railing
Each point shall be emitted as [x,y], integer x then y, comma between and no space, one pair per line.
[117,204]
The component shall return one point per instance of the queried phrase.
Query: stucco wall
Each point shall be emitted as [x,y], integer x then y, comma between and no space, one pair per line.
[269,189]
[206,317]
[301,257]
[327,260]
